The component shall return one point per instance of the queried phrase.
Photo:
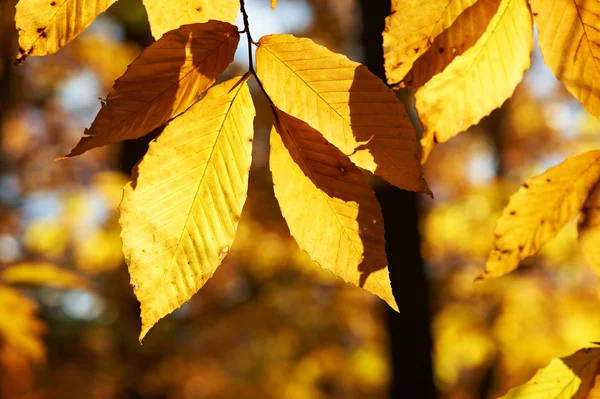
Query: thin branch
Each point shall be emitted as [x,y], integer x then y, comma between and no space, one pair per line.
[250,43]
[248,35]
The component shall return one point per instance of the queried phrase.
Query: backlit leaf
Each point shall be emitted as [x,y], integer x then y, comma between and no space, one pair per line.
[180,213]
[162,82]
[480,80]
[329,206]
[452,42]
[570,377]
[411,29]
[569,37]
[346,103]
[20,329]
[45,274]
[46,25]
[168,15]
[541,207]
[589,229]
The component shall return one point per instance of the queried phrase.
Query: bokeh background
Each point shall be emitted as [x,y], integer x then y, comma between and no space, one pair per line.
[269,324]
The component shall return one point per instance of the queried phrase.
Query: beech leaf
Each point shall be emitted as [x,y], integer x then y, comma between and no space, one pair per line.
[168,15]
[571,377]
[411,29]
[346,103]
[589,229]
[47,25]
[180,213]
[162,82]
[329,206]
[454,41]
[569,38]
[480,80]
[539,210]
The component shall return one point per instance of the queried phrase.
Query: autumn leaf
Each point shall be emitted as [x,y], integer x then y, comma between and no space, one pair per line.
[569,38]
[162,82]
[20,329]
[273,4]
[564,378]
[411,29]
[346,103]
[46,25]
[329,206]
[45,274]
[589,229]
[168,15]
[541,207]
[452,42]
[480,80]
[180,213]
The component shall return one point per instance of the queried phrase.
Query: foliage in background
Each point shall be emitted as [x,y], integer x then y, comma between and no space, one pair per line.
[477,52]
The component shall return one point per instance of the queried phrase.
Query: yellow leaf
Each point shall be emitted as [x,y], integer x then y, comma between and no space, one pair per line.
[45,274]
[46,25]
[569,38]
[168,15]
[180,213]
[454,41]
[541,207]
[565,378]
[347,104]
[411,29]
[329,206]
[589,229]
[162,82]
[480,80]
[273,4]
[19,327]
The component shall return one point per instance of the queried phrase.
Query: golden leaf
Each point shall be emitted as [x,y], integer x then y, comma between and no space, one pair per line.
[45,274]
[589,229]
[565,378]
[329,206]
[180,213]
[569,38]
[46,25]
[20,329]
[168,15]
[347,104]
[411,29]
[480,80]
[273,4]
[162,82]
[541,207]
[454,41]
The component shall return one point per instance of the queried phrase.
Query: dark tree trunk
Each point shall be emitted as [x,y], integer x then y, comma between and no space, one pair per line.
[410,338]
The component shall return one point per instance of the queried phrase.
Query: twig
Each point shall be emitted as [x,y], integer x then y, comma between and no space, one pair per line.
[250,43]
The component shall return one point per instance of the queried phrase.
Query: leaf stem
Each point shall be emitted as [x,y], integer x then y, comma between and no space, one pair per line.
[250,43]
[248,35]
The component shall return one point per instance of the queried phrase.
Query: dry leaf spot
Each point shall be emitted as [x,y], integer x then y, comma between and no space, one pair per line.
[548,180]
[441,50]
[53,3]
[525,186]
[513,213]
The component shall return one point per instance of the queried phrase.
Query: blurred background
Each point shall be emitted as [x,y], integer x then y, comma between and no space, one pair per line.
[270,324]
